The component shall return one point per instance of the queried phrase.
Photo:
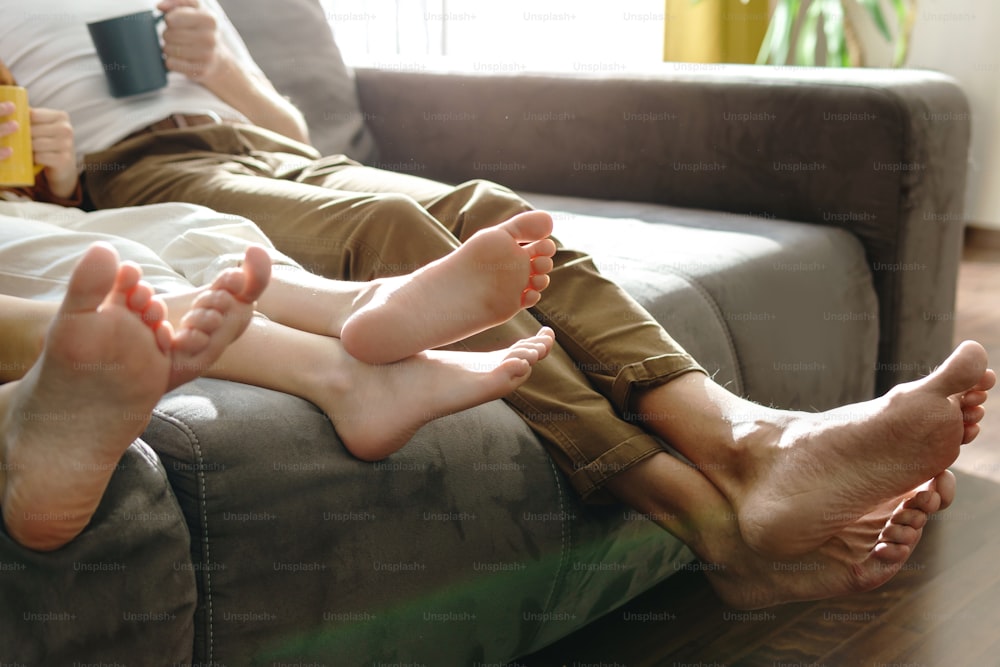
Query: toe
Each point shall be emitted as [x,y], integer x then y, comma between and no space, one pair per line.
[895,533]
[206,320]
[257,268]
[218,300]
[974,398]
[987,382]
[891,553]
[154,313]
[960,372]
[973,415]
[539,283]
[945,484]
[93,278]
[529,226]
[516,368]
[164,336]
[541,264]
[530,298]
[138,298]
[914,518]
[926,500]
[544,248]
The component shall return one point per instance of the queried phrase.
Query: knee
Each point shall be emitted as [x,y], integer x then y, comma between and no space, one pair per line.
[493,196]
[392,234]
[389,211]
[487,204]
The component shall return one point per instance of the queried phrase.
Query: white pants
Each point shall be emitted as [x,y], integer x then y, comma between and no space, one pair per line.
[178,246]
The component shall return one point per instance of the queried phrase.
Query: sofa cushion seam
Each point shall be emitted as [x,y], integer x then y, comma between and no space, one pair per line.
[564,548]
[203,511]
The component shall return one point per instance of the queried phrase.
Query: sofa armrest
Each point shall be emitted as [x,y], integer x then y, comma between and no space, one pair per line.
[880,153]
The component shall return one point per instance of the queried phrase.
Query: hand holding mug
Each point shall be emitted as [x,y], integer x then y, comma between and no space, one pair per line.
[191,43]
[54,150]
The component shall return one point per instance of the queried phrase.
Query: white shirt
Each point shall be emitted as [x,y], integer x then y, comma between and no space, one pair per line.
[47,47]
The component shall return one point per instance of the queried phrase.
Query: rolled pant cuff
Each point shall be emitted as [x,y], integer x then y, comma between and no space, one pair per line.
[589,479]
[646,374]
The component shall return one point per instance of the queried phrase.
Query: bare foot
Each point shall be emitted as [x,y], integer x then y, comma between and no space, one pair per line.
[376,409]
[864,553]
[861,556]
[215,316]
[806,477]
[483,283]
[108,358]
[68,421]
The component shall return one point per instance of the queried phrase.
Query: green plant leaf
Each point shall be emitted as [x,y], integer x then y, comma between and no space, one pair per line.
[834,31]
[778,41]
[874,9]
[904,10]
[772,37]
[805,52]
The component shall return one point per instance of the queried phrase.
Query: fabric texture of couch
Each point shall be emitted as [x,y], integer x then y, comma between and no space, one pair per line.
[798,231]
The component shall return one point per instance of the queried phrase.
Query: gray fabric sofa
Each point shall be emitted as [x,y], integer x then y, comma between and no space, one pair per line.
[798,231]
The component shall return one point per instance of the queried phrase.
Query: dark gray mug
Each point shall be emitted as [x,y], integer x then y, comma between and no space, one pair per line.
[130,51]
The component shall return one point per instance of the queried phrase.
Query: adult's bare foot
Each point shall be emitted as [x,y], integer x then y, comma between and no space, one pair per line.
[483,283]
[861,556]
[803,478]
[108,358]
[376,409]
[864,553]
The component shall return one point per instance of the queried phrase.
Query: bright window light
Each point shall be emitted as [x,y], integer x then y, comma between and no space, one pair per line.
[581,34]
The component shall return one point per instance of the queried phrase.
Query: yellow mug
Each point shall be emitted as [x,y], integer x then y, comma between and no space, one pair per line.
[19,169]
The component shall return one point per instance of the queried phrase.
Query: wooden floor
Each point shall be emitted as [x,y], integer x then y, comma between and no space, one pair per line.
[942,610]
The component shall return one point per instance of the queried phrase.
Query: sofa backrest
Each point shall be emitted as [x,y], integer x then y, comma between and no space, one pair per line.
[292,42]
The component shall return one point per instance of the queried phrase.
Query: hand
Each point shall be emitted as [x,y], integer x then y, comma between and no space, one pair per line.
[191,43]
[52,143]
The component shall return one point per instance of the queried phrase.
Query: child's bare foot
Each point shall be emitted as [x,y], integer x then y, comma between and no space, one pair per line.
[107,360]
[804,477]
[215,316]
[483,283]
[376,409]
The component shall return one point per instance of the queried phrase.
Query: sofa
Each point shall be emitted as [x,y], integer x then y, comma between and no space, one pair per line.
[797,230]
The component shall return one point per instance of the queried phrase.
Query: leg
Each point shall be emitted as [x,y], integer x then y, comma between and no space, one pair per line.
[375,409]
[795,479]
[480,284]
[108,357]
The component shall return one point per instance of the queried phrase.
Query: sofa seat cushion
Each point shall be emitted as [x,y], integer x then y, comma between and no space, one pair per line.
[467,545]
[782,312]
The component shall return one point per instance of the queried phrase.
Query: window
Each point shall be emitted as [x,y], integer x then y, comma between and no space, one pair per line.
[516,34]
